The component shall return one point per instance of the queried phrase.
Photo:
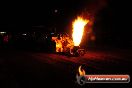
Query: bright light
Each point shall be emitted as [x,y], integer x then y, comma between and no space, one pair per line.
[56,10]
[78,29]
[52,33]
[24,34]
[2,32]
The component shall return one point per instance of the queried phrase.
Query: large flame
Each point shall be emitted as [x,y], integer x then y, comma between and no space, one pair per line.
[81,71]
[78,29]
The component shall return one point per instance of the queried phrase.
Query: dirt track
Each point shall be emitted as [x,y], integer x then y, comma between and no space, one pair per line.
[21,69]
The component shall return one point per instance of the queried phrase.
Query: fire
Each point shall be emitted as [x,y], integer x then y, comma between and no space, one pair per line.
[78,29]
[81,71]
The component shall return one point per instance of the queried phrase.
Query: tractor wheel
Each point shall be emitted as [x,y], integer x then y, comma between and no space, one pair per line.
[81,53]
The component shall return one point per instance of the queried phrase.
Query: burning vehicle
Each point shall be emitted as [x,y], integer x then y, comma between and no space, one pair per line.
[68,45]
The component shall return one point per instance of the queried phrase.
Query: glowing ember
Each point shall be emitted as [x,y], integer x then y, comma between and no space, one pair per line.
[78,29]
[81,71]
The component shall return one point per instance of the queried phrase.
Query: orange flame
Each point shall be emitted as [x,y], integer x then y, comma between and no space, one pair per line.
[81,71]
[78,29]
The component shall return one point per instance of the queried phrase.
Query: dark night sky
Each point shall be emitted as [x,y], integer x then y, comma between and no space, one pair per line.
[112,21]
[113,24]
[28,14]
[42,13]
